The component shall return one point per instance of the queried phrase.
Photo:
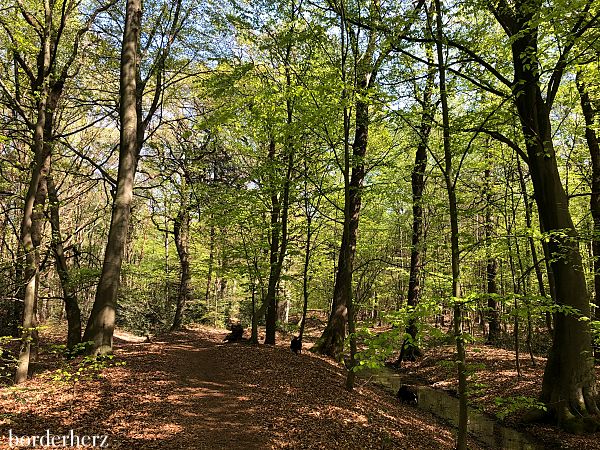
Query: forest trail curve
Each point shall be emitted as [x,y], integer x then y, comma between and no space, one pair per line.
[190,390]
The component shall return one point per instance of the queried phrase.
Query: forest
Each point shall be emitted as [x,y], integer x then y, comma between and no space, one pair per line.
[294,223]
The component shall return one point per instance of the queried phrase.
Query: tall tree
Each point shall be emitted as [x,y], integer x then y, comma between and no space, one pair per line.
[101,323]
[134,124]
[568,387]
[450,179]
[47,71]
[410,349]
[331,341]
[369,52]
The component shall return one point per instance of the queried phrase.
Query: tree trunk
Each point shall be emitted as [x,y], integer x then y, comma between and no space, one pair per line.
[568,387]
[254,331]
[306,267]
[594,148]
[27,233]
[274,268]
[70,299]
[461,441]
[491,266]
[279,239]
[331,341]
[280,202]
[181,231]
[211,258]
[410,350]
[54,93]
[30,251]
[100,326]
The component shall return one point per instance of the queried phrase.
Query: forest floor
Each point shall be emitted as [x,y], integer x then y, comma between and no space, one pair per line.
[190,390]
[493,375]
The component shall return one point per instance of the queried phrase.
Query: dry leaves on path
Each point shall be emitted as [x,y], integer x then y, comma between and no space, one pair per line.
[189,390]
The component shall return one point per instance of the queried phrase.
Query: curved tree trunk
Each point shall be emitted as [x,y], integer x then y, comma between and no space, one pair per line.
[30,251]
[568,386]
[181,231]
[331,341]
[28,227]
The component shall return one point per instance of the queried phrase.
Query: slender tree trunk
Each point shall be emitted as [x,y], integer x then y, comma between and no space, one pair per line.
[461,442]
[274,268]
[331,341]
[254,332]
[70,299]
[30,251]
[38,218]
[181,232]
[410,350]
[305,269]
[27,234]
[279,240]
[100,326]
[510,221]
[493,314]
[211,258]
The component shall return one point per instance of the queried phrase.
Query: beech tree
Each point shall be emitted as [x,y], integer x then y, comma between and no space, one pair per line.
[133,127]
[569,385]
[46,70]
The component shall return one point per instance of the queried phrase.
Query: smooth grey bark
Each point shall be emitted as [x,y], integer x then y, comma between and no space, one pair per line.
[100,326]
[101,323]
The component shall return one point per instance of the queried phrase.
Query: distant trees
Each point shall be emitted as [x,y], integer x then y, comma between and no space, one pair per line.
[254,138]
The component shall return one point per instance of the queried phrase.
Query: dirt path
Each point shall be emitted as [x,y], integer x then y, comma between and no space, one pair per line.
[191,391]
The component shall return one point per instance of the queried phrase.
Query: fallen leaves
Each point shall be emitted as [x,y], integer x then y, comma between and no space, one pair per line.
[188,390]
